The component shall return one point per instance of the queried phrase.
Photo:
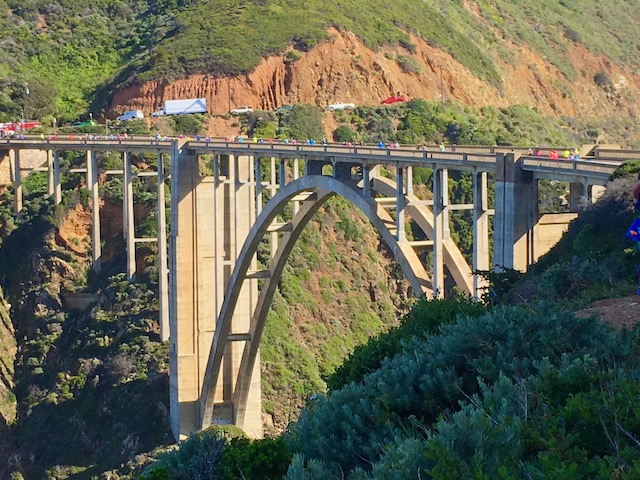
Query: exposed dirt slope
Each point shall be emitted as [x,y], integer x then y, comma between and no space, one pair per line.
[345,70]
[620,313]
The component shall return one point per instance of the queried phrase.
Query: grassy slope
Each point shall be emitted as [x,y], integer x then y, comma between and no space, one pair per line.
[81,49]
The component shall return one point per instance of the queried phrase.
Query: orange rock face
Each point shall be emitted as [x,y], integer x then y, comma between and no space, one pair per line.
[343,69]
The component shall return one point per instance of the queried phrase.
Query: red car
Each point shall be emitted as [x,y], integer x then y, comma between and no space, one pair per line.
[393,99]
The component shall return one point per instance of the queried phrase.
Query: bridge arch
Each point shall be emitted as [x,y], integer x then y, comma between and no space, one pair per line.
[321,189]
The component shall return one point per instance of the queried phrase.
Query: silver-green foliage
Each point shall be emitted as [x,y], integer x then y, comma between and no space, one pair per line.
[353,426]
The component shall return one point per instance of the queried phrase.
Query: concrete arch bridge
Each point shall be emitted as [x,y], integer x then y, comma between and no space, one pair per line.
[212,309]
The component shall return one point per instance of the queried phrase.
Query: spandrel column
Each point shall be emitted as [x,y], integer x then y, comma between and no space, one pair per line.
[480,231]
[129,227]
[92,185]
[439,186]
[163,270]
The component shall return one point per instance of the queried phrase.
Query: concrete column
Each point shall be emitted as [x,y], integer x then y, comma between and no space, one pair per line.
[282,173]
[184,316]
[129,226]
[401,235]
[437,276]
[516,214]
[163,273]
[87,162]
[366,180]
[296,175]
[577,196]
[274,190]
[16,176]
[57,185]
[446,227]
[409,181]
[257,166]
[595,192]
[480,231]
[50,181]
[92,185]
[211,218]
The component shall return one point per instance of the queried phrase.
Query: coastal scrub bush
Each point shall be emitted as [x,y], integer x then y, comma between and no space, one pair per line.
[424,319]
[435,373]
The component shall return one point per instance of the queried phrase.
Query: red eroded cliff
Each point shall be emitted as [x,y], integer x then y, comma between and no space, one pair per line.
[343,69]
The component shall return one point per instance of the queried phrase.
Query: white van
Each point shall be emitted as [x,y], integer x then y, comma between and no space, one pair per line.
[130,115]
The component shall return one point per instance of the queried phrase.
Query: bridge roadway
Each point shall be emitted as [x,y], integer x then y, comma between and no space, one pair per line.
[211,308]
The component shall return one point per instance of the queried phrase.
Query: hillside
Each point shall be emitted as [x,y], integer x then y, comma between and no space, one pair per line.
[518,387]
[85,390]
[562,57]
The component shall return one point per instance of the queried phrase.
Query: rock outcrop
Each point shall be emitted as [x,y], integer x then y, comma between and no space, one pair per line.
[343,69]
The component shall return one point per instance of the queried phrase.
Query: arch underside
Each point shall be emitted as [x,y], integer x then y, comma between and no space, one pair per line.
[320,189]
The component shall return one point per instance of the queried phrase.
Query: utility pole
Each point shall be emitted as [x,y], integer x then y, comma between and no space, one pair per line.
[26,97]
[441,87]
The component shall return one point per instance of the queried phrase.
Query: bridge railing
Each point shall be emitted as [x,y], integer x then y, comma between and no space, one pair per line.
[600,167]
[81,143]
[405,156]
[612,153]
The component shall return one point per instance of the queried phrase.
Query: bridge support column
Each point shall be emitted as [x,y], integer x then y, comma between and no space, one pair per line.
[57,185]
[92,185]
[577,196]
[273,189]
[128,219]
[409,180]
[16,176]
[516,214]
[163,273]
[296,175]
[480,231]
[211,218]
[50,183]
[401,235]
[366,180]
[440,201]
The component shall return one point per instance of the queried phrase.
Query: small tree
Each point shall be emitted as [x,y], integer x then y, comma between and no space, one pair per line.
[187,125]
[344,134]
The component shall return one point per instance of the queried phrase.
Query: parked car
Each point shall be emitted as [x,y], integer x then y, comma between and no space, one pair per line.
[284,108]
[241,110]
[87,123]
[394,99]
[340,106]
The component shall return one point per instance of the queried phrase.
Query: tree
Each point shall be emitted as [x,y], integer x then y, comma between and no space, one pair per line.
[303,122]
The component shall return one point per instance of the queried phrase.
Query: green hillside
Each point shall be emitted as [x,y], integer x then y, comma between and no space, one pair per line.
[73,55]
[518,387]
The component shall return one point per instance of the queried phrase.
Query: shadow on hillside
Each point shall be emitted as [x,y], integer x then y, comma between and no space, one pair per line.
[97,429]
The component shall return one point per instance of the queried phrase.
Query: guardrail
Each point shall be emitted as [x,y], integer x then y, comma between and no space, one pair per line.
[599,166]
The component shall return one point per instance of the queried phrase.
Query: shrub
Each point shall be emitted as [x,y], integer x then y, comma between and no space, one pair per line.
[187,124]
[603,80]
[344,134]
[425,318]
[292,56]
[408,64]
[434,373]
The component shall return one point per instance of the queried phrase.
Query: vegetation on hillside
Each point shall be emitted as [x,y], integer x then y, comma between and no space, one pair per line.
[73,55]
[70,362]
[463,390]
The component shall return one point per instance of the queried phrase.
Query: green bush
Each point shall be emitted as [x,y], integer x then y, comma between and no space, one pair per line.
[302,123]
[187,124]
[344,134]
[435,373]
[425,318]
